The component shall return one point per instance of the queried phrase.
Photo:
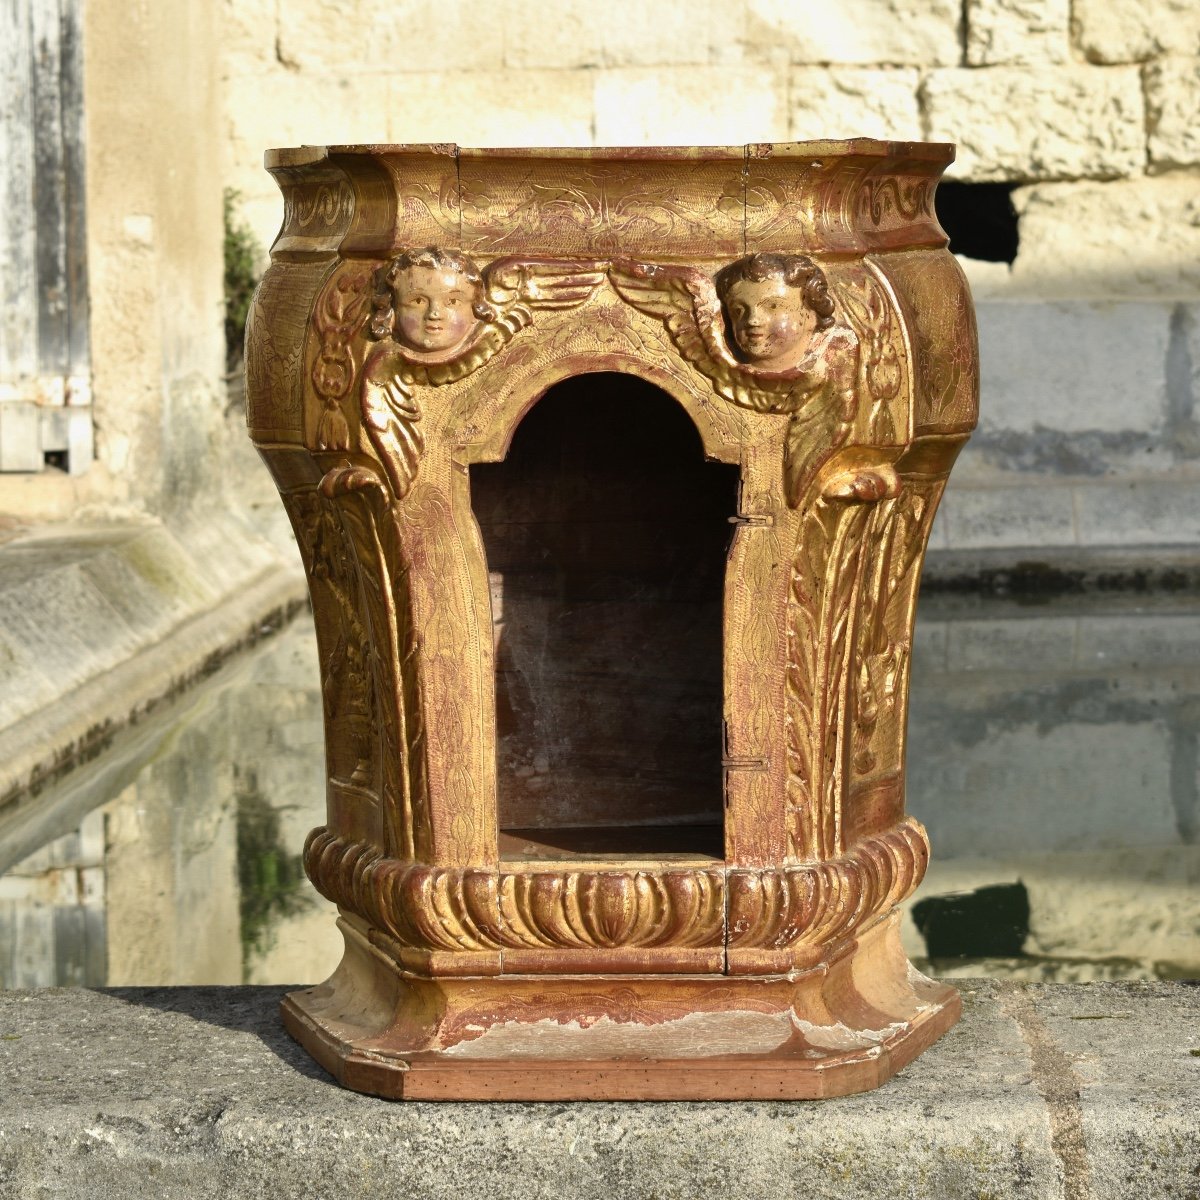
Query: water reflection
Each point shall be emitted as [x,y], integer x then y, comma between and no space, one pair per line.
[1053,756]
[187,868]
[1056,748]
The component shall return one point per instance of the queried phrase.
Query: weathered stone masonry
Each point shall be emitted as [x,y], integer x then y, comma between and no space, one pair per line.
[1089,340]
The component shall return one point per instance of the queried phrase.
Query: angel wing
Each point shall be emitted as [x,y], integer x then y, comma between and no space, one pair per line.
[871,315]
[816,431]
[685,300]
[516,286]
[391,416]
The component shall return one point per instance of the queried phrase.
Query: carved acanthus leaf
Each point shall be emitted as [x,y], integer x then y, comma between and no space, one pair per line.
[870,314]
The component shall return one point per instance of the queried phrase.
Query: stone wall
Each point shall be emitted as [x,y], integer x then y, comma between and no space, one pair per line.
[1089,340]
[117,583]
[153,216]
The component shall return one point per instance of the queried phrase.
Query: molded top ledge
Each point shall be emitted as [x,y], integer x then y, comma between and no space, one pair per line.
[669,203]
[932,152]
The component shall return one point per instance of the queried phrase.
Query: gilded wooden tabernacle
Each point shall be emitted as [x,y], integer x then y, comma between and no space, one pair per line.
[615,773]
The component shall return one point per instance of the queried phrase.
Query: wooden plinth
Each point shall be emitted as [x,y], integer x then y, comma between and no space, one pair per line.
[845,1027]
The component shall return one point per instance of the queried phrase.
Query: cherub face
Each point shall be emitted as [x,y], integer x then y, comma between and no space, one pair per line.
[433,307]
[771,323]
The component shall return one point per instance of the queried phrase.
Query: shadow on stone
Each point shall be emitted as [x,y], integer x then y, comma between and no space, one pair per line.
[990,922]
[253,1010]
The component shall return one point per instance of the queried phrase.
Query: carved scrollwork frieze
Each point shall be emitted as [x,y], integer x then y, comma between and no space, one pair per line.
[895,200]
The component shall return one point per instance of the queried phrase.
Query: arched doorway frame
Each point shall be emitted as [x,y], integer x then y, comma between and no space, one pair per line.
[478,426]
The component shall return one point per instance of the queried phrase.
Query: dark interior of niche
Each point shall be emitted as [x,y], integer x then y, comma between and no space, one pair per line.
[979,219]
[607,534]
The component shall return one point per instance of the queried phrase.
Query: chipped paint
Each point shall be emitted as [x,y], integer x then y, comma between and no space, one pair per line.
[697,1035]
[842,1037]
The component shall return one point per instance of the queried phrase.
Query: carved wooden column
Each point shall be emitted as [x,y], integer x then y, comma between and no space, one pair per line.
[562,920]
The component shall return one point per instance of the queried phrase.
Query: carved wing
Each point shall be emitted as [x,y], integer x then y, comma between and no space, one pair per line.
[391,417]
[685,300]
[532,283]
[817,430]
[871,316]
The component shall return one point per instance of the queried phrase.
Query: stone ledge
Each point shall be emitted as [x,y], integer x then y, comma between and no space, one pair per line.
[1042,1091]
[1155,576]
[98,624]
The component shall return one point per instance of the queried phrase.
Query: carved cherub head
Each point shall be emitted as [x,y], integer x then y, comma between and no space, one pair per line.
[774,303]
[429,300]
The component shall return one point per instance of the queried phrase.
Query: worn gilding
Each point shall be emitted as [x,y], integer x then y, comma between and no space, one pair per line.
[799,304]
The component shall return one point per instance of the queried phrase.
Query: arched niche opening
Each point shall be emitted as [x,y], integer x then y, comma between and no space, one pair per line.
[607,534]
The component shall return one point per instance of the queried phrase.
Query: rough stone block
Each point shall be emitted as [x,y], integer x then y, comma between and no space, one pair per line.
[1116,31]
[1018,516]
[846,102]
[998,645]
[688,106]
[74,642]
[20,440]
[1173,112]
[1025,123]
[1019,762]
[1095,905]
[573,38]
[1111,381]
[895,32]
[1151,640]
[1121,239]
[1183,380]
[326,36]
[1088,907]
[303,109]
[247,32]
[1018,31]
[202,1091]
[1145,1158]
[492,108]
[640,33]
[32,684]
[1139,512]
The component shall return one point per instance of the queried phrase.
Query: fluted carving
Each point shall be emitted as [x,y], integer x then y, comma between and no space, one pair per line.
[824,902]
[430,908]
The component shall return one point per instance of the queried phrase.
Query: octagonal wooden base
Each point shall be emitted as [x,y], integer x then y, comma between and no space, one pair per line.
[845,1027]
